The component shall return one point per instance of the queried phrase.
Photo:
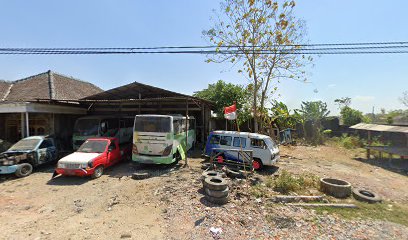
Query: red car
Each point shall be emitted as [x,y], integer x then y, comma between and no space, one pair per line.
[92,157]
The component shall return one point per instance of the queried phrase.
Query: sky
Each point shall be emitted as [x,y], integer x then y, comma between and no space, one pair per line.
[372,81]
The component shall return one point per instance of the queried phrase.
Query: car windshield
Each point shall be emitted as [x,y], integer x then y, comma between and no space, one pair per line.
[86,127]
[270,143]
[152,124]
[25,144]
[93,147]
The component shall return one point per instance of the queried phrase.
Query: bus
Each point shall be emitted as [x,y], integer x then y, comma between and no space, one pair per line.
[102,126]
[161,139]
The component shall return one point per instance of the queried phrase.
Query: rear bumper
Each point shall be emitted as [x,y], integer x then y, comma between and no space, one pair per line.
[8,169]
[75,172]
[152,159]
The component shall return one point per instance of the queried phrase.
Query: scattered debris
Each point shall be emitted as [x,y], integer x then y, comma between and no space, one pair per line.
[216,232]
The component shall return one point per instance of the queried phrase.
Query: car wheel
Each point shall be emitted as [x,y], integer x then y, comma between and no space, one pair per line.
[24,169]
[97,172]
[257,164]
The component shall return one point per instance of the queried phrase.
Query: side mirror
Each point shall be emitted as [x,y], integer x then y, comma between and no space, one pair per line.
[110,148]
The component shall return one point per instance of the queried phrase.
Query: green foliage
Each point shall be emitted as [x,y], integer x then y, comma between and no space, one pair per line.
[281,115]
[352,142]
[224,94]
[287,182]
[256,27]
[316,110]
[343,102]
[351,116]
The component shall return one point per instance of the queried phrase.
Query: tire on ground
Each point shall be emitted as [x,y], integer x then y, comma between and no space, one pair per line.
[23,170]
[366,196]
[140,175]
[233,174]
[206,166]
[215,183]
[207,174]
[219,201]
[217,194]
[335,187]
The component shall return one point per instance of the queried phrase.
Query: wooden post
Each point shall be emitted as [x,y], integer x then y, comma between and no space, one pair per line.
[22,125]
[369,144]
[186,130]
[202,123]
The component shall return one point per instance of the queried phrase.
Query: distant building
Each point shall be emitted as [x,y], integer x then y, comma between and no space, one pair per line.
[22,115]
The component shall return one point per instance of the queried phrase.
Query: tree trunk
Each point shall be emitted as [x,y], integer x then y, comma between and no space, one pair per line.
[255,110]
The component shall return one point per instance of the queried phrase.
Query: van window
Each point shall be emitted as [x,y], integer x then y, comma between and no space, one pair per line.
[257,143]
[226,140]
[237,142]
[215,139]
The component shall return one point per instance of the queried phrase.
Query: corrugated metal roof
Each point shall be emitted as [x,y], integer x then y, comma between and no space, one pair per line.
[380,128]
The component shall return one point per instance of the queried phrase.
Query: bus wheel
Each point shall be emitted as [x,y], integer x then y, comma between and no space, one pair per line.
[257,164]
[177,156]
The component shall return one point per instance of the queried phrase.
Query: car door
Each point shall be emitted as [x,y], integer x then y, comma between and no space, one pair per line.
[113,154]
[46,151]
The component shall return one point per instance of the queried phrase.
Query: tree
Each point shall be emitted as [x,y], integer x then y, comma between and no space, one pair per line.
[261,36]
[404,98]
[316,110]
[343,102]
[282,116]
[224,94]
[351,116]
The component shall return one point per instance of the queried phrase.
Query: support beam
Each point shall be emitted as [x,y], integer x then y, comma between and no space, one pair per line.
[22,125]
[186,131]
[27,124]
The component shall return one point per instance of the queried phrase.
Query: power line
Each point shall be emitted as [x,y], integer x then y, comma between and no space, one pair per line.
[305,49]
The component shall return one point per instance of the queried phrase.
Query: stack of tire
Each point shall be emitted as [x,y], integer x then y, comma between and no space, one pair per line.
[215,187]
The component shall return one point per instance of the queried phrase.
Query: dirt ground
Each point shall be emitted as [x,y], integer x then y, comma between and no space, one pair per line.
[170,204]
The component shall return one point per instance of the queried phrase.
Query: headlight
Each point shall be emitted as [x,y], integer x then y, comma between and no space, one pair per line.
[60,165]
[90,164]
[167,150]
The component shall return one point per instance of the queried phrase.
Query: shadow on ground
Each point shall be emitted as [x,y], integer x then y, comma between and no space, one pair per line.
[399,166]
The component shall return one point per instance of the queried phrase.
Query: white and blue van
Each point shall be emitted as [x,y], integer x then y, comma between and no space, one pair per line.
[265,150]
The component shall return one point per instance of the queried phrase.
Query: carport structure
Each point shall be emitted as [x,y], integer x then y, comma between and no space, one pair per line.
[137,98]
[396,135]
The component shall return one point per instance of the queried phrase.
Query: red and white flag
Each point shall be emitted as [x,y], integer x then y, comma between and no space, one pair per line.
[230,112]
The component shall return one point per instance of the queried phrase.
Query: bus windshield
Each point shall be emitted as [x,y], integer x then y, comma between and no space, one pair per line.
[152,124]
[86,127]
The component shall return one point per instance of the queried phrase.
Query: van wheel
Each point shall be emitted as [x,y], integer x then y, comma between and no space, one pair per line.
[23,170]
[97,172]
[257,164]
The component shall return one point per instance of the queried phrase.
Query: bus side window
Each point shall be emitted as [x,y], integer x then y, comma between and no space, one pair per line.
[176,126]
[191,125]
[226,140]
[215,139]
